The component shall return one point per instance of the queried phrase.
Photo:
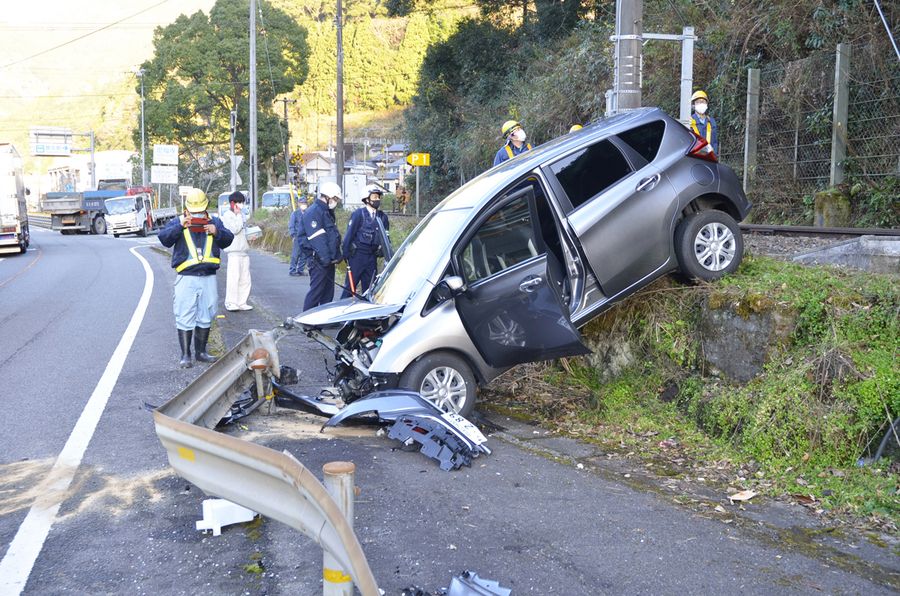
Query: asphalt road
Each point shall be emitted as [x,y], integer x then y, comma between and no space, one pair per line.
[528,516]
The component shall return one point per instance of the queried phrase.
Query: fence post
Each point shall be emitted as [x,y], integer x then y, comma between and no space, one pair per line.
[841,103]
[751,129]
[338,478]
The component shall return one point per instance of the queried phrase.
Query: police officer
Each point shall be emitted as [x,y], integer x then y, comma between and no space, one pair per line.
[323,245]
[295,229]
[701,122]
[363,241]
[516,143]
[196,240]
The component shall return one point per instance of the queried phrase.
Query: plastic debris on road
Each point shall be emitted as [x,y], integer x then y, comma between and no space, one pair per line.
[218,513]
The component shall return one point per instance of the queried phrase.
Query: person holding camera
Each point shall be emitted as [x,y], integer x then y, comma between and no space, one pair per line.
[362,242]
[196,240]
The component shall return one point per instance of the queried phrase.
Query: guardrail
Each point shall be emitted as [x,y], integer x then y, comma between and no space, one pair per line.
[40,220]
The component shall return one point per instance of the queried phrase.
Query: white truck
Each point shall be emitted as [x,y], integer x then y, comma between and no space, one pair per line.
[14,233]
[134,213]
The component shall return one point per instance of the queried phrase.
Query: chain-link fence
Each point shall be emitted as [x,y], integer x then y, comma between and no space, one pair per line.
[873,135]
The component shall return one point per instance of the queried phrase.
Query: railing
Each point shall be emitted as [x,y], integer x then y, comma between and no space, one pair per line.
[40,220]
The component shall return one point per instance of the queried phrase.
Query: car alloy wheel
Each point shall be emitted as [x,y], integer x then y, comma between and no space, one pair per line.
[444,379]
[714,246]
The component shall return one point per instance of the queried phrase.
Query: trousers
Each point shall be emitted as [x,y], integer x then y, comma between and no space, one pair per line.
[237,280]
[362,265]
[196,301]
[298,257]
[321,285]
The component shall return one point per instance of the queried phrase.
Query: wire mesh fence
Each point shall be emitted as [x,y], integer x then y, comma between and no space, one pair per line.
[873,131]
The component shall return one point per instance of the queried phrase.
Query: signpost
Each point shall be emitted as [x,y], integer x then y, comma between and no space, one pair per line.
[418,160]
[165,166]
[163,174]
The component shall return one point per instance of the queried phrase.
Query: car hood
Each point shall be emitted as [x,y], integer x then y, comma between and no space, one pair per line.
[342,311]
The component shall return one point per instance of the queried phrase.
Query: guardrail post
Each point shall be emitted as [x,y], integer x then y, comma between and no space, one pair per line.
[751,127]
[338,478]
[841,107]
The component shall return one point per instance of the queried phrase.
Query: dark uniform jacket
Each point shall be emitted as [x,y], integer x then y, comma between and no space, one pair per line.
[362,232]
[321,233]
[509,151]
[207,247]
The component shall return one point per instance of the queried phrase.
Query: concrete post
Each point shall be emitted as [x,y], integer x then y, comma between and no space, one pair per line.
[629,27]
[338,478]
[841,104]
[687,75]
[254,157]
[751,129]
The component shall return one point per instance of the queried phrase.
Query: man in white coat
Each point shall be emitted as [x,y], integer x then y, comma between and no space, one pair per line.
[237,280]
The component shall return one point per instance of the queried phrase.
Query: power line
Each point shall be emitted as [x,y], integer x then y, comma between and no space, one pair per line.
[56,47]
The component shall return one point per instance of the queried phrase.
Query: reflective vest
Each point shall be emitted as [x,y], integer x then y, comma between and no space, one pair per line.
[509,151]
[708,135]
[196,259]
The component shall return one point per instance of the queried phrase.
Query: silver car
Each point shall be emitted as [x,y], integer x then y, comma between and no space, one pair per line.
[508,267]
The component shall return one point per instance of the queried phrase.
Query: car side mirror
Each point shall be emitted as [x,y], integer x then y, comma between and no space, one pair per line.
[27,192]
[447,288]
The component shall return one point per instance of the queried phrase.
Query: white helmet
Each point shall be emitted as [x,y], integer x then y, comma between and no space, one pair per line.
[373,189]
[330,189]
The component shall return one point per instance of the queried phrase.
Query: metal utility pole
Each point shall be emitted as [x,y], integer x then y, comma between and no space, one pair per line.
[627,80]
[233,164]
[253,157]
[140,72]
[339,170]
[287,138]
[93,163]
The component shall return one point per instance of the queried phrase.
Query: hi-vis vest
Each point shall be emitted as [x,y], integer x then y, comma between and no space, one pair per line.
[196,259]
[509,150]
[708,135]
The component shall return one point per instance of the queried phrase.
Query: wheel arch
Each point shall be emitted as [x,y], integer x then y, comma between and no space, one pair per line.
[710,201]
[476,371]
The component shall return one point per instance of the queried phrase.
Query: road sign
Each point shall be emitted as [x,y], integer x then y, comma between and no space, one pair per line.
[419,159]
[165,154]
[164,174]
[50,141]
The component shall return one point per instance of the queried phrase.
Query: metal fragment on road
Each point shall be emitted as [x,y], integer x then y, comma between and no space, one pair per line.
[469,584]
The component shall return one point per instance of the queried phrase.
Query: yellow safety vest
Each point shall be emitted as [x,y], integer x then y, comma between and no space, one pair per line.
[708,129]
[196,259]
[509,149]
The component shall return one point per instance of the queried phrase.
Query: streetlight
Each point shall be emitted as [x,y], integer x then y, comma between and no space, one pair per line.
[140,73]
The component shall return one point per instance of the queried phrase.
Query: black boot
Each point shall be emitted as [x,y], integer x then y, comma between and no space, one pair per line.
[184,340]
[201,336]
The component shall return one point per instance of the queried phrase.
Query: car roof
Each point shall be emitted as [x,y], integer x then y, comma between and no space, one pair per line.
[482,188]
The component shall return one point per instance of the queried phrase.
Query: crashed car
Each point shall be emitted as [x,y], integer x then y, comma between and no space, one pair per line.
[508,267]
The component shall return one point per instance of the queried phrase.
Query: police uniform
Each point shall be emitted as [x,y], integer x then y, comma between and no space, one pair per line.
[705,126]
[195,258]
[323,250]
[508,151]
[361,244]
[298,252]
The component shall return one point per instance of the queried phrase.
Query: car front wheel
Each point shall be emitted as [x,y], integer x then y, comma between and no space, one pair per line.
[708,245]
[445,380]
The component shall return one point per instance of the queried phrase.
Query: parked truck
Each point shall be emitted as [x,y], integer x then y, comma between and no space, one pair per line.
[134,213]
[78,212]
[14,233]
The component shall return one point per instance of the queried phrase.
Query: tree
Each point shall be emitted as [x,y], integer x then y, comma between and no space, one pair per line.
[200,72]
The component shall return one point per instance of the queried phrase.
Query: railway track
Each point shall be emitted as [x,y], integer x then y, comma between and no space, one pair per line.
[815,231]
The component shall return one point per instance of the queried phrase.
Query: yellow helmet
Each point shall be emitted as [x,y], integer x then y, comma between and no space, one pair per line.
[508,127]
[575,127]
[701,94]
[195,201]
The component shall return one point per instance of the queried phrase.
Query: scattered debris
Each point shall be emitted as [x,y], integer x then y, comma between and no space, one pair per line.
[744,495]
[219,512]
[469,584]
[437,441]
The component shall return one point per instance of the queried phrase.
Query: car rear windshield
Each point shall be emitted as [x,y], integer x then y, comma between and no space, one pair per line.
[586,174]
[645,139]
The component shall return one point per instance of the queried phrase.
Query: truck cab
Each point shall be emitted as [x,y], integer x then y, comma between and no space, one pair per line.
[130,214]
[14,233]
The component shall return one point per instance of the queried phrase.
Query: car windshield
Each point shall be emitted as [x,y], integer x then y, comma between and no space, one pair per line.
[276,199]
[120,205]
[418,256]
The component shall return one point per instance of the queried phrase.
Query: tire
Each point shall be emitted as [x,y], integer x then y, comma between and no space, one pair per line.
[115,235]
[445,380]
[708,245]
[99,226]
[144,231]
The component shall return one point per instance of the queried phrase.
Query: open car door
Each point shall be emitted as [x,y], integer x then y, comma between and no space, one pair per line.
[511,307]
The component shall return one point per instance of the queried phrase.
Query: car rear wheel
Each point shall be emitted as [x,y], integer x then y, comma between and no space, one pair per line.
[445,380]
[708,245]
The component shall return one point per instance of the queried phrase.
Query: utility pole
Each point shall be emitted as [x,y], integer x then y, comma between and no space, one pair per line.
[253,164]
[233,164]
[339,173]
[140,72]
[287,137]
[629,29]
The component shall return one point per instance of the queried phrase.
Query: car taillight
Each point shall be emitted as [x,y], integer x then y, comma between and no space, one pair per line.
[701,149]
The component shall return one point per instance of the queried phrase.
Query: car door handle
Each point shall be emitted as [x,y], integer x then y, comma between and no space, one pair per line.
[648,183]
[531,284]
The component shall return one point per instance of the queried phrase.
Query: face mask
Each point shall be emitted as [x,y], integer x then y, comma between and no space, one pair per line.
[375,203]
[700,107]
[332,203]
[519,135]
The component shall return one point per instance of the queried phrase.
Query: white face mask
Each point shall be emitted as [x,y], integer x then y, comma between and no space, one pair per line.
[332,203]
[519,136]
[700,107]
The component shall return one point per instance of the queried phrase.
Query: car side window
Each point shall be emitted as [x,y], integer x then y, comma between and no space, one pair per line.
[586,174]
[504,240]
[645,139]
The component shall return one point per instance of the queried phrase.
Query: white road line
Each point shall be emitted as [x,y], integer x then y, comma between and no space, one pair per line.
[23,551]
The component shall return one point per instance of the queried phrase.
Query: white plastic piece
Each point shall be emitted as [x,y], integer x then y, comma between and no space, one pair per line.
[219,512]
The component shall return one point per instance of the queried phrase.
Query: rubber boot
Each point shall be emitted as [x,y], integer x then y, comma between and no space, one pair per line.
[201,336]
[184,340]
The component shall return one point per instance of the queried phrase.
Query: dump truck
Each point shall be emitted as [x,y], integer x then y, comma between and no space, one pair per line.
[14,233]
[78,212]
[134,213]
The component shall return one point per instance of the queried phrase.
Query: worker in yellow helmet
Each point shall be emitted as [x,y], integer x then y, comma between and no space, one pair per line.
[702,122]
[575,128]
[516,141]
